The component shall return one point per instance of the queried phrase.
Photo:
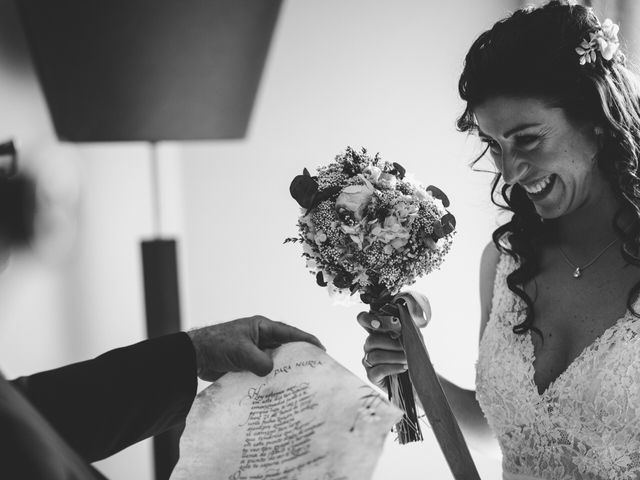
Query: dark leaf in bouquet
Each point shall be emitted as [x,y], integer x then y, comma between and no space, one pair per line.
[382,213]
[382,299]
[399,170]
[439,194]
[350,169]
[428,239]
[320,279]
[306,172]
[438,230]
[448,223]
[323,195]
[375,295]
[303,189]
[342,281]
[369,298]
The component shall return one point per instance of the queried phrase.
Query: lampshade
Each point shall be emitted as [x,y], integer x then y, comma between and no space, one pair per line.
[149,70]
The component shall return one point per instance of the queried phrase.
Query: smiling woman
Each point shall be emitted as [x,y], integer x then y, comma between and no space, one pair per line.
[547,89]
[564,134]
[549,93]
[549,155]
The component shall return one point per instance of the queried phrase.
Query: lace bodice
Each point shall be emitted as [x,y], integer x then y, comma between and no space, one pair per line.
[586,424]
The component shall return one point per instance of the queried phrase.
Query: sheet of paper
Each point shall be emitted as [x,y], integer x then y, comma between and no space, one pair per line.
[309,419]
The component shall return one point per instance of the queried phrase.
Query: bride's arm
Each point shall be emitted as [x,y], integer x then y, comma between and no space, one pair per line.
[463,402]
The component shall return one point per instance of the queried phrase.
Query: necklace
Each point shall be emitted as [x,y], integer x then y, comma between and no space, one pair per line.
[577,273]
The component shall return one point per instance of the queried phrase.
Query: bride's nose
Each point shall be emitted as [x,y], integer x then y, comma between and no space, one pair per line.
[513,167]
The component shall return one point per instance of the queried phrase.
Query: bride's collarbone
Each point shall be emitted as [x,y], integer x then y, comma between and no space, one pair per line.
[602,287]
[562,302]
[573,313]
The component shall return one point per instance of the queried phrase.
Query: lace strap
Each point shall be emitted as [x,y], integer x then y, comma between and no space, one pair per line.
[502,297]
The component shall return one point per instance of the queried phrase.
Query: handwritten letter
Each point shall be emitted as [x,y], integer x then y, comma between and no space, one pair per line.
[309,419]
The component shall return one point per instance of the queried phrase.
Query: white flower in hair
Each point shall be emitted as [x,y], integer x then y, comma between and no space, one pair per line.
[608,41]
[604,40]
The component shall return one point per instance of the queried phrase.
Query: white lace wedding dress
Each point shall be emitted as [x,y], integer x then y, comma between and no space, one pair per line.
[586,424]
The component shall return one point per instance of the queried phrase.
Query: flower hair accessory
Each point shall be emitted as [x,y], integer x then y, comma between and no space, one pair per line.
[605,40]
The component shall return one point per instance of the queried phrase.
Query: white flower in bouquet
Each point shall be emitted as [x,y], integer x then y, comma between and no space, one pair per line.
[355,198]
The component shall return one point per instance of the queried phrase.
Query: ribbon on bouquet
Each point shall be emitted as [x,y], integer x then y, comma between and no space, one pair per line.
[401,392]
[401,318]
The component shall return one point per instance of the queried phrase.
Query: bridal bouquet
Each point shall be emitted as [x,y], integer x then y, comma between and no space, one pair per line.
[367,229]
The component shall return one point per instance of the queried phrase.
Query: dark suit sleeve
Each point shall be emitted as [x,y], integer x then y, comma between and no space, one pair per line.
[119,398]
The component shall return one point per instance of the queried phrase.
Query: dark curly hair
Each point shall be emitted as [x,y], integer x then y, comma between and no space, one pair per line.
[532,53]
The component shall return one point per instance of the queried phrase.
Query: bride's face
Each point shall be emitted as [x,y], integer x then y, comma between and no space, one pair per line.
[538,147]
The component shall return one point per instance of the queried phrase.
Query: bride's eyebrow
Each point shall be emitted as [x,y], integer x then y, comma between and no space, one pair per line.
[512,131]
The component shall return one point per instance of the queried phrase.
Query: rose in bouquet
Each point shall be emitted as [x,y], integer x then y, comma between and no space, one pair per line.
[366,229]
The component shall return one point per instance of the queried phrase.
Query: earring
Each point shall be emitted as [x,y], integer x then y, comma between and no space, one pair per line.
[598,131]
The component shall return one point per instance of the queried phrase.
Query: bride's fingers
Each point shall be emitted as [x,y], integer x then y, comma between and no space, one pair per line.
[377,374]
[381,357]
[377,322]
[373,321]
[383,342]
[364,319]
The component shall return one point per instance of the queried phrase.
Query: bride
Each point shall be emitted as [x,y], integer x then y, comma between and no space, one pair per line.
[558,373]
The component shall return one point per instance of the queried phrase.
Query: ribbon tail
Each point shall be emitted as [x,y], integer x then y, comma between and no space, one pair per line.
[431,395]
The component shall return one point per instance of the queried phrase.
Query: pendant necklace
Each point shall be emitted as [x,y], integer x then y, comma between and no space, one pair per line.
[577,273]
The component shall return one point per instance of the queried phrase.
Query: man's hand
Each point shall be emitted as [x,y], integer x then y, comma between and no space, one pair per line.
[237,345]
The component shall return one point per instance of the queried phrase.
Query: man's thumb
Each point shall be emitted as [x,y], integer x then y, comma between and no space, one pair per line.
[258,362]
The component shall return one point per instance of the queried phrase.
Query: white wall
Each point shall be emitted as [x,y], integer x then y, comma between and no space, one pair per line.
[376,74]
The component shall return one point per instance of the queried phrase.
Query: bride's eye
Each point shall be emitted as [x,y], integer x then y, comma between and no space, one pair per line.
[494,148]
[527,142]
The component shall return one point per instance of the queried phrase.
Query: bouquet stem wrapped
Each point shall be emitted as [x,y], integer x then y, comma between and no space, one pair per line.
[401,318]
[401,394]
[399,387]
